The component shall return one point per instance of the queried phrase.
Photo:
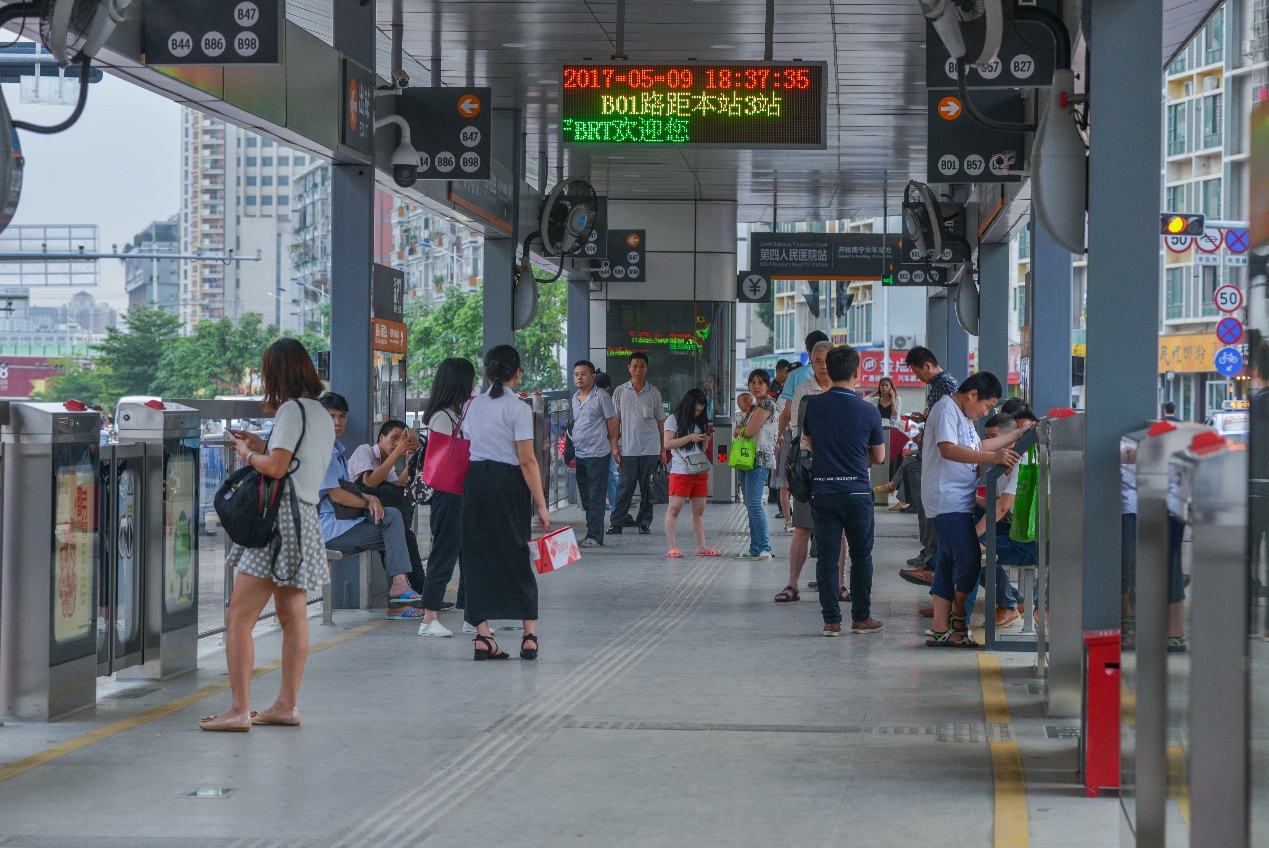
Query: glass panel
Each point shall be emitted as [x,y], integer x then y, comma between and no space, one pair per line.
[1212,121]
[127,612]
[75,542]
[180,478]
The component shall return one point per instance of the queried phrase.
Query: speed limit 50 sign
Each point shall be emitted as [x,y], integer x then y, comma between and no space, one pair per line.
[1228,298]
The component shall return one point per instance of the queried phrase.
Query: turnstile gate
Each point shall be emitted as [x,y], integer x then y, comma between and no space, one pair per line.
[120,585]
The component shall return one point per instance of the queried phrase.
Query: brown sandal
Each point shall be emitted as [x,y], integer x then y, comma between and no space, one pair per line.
[789,593]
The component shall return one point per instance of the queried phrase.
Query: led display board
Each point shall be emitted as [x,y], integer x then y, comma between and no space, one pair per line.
[733,104]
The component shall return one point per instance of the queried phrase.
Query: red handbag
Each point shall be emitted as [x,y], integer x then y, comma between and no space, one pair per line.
[447,459]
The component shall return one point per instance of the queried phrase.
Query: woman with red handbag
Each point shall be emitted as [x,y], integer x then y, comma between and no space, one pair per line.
[500,488]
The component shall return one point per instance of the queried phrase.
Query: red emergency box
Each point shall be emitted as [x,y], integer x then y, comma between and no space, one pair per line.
[1099,741]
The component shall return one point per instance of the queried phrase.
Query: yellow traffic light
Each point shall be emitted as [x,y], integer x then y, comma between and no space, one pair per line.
[1176,224]
[1172,224]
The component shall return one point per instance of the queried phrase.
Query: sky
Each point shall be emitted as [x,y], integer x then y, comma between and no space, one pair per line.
[118,167]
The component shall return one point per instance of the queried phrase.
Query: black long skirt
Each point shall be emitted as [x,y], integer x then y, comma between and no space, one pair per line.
[498,577]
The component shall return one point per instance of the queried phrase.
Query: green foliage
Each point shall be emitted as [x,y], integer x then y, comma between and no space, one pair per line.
[131,355]
[541,343]
[766,314]
[80,380]
[218,358]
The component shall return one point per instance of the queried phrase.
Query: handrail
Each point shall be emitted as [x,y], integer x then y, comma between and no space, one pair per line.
[224,407]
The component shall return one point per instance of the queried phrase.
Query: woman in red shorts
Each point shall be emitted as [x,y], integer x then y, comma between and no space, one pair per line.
[686,434]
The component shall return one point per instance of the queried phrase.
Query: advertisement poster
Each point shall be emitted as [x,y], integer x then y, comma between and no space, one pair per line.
[178,530]
[73,541]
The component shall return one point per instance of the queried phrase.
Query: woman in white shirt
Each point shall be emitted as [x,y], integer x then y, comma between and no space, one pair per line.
[686,431]
[498,578]
[451,390]
[298,452]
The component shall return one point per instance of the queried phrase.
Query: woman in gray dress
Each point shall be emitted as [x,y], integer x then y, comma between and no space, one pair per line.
[299,450]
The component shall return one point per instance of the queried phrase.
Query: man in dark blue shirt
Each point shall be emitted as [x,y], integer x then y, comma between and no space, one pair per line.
[846,437]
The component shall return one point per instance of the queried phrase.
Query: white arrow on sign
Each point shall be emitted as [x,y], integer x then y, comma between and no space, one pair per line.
[1211,240]
[950,108]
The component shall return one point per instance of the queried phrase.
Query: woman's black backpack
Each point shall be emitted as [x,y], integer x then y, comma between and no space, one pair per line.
[248,502]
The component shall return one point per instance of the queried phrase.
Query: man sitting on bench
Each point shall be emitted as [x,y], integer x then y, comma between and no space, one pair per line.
[378,528]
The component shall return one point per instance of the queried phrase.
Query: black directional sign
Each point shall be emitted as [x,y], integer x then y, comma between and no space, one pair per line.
[597,245]
[820,256]
[627,252]
[212,32]
[451,130]
[752,288]
[358,127]
[961,150]
[1026,56]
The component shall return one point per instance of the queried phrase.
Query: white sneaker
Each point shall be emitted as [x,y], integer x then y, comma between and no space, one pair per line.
[434,628]
[468,629]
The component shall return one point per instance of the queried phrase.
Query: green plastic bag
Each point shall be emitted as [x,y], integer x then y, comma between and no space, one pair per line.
[744,453]
[1023,528]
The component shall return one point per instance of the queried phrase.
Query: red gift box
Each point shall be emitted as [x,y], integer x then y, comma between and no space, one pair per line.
[555,550]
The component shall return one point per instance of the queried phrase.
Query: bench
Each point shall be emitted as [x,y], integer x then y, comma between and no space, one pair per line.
[363,568]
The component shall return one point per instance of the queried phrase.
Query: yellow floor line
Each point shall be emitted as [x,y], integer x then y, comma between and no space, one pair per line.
[80,742]
[1010,825]
[1179,782]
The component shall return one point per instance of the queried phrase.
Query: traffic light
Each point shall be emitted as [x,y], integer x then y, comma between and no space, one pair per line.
[1172,224]
[813,297]
[845,298]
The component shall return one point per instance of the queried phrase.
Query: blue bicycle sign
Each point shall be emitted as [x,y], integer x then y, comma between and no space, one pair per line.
[1229,361]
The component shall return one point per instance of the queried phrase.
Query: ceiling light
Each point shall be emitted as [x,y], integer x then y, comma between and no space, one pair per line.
[722,47]
[516,44]
[547,81]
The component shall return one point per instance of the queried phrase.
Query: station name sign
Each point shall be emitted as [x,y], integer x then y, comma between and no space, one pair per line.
[821,256]
[735,104]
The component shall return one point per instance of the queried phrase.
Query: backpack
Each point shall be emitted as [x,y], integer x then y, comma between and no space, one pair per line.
[248,502]
[797,465]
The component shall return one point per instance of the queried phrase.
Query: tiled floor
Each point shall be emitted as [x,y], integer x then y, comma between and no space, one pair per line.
[674,704]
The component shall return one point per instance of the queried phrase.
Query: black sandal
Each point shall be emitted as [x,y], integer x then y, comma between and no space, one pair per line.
[529,653]
[788,593]
[491,651]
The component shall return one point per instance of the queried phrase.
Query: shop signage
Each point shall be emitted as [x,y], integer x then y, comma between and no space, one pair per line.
[821,256]
[1187,354]
[358,127]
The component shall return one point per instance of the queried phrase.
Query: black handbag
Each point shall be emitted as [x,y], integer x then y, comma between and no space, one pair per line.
[248,502]
[659,488]
[416,491]
[797,465]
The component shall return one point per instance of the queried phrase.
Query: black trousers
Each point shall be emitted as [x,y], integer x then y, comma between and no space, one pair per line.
[592,489]
[447,541]
[635,471]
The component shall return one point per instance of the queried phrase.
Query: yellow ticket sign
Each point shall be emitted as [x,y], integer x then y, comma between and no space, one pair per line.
[1187,354]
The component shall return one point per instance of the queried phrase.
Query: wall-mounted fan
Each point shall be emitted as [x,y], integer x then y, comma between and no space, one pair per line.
[922,220]
[947,17]
[565,222]
[72,29]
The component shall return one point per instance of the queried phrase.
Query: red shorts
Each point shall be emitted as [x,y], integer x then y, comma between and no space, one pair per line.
[690,485]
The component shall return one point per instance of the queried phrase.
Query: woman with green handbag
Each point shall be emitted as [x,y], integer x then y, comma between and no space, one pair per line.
[753,457]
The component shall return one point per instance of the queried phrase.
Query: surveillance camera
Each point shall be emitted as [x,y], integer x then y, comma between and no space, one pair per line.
[1002,162]
[400,79]
[405,165]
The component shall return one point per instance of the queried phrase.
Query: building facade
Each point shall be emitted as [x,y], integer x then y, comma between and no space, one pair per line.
[155,281]
[436,253]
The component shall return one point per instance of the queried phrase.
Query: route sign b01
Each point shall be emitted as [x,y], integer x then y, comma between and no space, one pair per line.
[212,32]
[1229,361]
[963,151]
[1228,298]
[752,287]
[451,128]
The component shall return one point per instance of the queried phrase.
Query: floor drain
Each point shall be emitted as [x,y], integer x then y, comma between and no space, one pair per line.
[209,792]
[137,692]
[1054,732]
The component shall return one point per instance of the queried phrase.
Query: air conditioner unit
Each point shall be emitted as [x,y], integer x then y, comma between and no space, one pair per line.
[1211,83]
[902,342]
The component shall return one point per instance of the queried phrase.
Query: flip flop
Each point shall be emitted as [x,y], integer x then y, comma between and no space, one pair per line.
[412,612]
[674,553]
[410,597]
[708,552]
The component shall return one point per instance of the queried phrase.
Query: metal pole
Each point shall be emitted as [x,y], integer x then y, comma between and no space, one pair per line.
[885,290]
[619,44]
[154,280]
[769,32]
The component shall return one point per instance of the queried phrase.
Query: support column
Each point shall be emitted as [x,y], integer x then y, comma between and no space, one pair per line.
[1123,275]
[578,327]
[993,299]
[1051,321]
[352,248]
[500,253]
[957,360]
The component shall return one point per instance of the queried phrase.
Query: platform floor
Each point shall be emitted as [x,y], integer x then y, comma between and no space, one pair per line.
[673,705]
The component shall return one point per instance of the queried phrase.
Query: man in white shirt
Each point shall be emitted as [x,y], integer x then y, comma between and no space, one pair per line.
[951,456]
[641,422]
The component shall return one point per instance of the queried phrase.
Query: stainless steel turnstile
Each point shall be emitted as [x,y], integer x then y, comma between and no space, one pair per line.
[1060,505]
[722,480]
[49,568]
[1209,495]
[1145,457]
[121,633]
[169,434]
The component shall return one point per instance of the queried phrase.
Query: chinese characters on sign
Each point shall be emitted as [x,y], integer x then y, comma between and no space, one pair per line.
[1187,353]
[823,256]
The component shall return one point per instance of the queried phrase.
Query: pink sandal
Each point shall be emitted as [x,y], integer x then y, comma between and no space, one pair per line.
[675,553]
[708,552]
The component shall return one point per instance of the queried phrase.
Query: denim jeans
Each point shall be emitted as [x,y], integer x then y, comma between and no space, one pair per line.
[613,476]
[852,514]
[388,536]
[592,481]
[959,561]
[753,485]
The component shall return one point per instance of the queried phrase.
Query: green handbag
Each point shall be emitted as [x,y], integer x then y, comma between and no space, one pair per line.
[1024,503]
[744,453]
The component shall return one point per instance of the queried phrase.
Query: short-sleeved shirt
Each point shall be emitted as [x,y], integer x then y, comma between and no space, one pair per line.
[590,423]
[639,413]
[948,486]
[314,453]
[796,377]
[808,388]
[678,456]
[445,421]
[336,470]
[365,459]
[765,438]
[494,425]
[842,427]
[941,386]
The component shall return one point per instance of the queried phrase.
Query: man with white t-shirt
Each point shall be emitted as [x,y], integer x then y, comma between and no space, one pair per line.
[951,457]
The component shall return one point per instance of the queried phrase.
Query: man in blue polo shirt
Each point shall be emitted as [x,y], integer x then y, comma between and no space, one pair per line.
[846,437]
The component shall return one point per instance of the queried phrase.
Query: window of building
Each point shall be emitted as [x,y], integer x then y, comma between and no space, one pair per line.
[252,141]
[251,200]
[267,162]
[268,142]
[1024,244]
[1174,292]
[1174,199]
[266,181]
[284,161]
[1212,120]
[267,200]
[1212,198]
[1176,128]
[859,318]
[1214,39]
[284,180]
[251,161]
[299,160]
[1178,67]
[252,181]
[283,200]
[1211,281]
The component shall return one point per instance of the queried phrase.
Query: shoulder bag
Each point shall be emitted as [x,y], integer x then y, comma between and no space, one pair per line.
[416,491]
[797,466]
[743,455]
[448,459]
[697,461]
[248,502]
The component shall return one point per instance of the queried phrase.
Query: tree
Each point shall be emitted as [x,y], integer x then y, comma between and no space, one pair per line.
[218,358]
[131,355]
[541,343]
[81,380]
